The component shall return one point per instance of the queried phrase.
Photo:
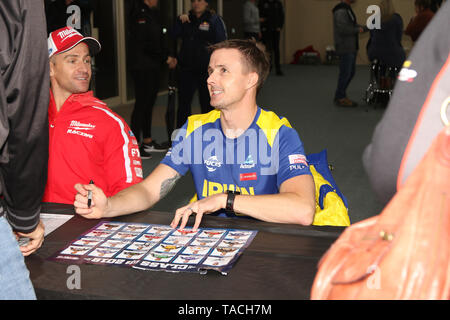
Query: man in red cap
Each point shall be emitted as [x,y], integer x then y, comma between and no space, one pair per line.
[88,141]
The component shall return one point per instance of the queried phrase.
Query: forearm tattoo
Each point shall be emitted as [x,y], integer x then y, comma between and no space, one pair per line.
[167,185]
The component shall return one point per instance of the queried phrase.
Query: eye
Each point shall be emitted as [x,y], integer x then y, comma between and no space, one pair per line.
[223,70]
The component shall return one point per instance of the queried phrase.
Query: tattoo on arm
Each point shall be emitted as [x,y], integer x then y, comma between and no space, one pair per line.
[167,185]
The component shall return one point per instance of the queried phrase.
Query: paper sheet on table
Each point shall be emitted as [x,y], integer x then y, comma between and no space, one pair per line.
[53,221]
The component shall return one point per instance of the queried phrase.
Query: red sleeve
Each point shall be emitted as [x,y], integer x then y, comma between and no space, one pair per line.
[123,166]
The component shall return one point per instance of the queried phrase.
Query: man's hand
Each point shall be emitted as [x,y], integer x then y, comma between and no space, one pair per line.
[36,239]
[201,207]
[99,202]
[184,18]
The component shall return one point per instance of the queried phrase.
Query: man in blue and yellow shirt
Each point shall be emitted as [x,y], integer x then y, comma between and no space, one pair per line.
[245,161]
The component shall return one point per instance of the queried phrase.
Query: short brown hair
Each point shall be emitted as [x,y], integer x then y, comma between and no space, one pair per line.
[254,55]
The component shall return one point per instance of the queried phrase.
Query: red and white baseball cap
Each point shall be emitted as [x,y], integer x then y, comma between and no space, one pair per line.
[66,38]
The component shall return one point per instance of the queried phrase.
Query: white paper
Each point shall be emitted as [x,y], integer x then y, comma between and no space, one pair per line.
[53,221]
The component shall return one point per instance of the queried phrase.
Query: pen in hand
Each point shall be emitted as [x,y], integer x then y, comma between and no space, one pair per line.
[90,195]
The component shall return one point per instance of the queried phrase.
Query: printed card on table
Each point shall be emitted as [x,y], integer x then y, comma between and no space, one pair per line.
[158,247]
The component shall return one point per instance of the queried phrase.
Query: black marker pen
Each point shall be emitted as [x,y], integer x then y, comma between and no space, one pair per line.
[90,195]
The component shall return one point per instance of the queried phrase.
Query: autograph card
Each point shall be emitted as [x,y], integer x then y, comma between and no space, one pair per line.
[158,247]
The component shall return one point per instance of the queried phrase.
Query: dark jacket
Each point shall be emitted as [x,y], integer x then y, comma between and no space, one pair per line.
[385,44]
[412,119]
[196,36]
[148,48]
[273,13]
[24,98]
[345,28]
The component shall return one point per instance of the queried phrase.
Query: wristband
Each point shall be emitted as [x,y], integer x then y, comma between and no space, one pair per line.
[230,200]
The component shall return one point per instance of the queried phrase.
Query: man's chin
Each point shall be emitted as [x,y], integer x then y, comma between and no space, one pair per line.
[81,90]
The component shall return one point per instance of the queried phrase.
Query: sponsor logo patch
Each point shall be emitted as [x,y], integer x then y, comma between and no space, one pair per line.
[248,176]
[297,159]
[248,164]
[212,163]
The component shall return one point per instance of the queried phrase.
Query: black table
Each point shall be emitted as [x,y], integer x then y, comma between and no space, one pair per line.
[280,263]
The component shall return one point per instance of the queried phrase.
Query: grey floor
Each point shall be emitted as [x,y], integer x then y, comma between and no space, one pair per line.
[305,97]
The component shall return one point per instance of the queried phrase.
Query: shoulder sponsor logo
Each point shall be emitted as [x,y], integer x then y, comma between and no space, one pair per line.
[135,152]
[212,163]
[297,162]
[139,172]
[297,159]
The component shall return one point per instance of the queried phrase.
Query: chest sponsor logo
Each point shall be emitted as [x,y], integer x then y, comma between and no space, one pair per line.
[204,26]
[248,164]
[77,125]
[210,188]
[80,129]
[248,176]
[212,164]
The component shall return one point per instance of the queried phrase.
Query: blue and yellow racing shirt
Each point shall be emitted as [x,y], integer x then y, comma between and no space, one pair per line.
[268,153]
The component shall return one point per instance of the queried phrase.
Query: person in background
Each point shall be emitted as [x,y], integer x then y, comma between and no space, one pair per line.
[435,5]
[252,28]
[413,117]
[385,44]
[148,52]
[346,41]
[272,21]
[88,141]
[198,29]
[419,22]
[24,96]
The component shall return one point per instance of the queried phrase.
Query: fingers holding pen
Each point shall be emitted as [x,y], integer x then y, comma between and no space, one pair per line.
[90,201]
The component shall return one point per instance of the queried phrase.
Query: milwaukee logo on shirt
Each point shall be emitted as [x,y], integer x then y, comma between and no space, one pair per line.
[79,128]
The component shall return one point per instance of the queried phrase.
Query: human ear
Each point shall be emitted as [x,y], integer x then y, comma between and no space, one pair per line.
[252,80]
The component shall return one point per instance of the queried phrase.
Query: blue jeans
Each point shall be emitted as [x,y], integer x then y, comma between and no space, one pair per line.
[347,64]
[15,283]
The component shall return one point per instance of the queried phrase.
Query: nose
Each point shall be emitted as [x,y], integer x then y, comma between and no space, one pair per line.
[211,79]
[85,67]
